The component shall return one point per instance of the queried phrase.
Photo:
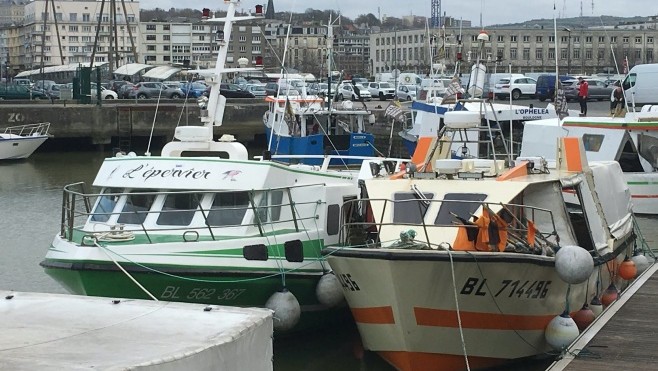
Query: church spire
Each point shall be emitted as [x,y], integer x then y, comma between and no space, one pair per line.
[269,13]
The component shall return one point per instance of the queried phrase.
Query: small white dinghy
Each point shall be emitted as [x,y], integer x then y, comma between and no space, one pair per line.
[66,332]
[17,142]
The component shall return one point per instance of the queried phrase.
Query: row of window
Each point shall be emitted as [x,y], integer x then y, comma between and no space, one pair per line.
[418,53]
[87,29]
[513,38]
[86,17]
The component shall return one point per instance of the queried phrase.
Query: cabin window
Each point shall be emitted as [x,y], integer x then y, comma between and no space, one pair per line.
[629,160]
[136,207]
[105,205]
[592,142]
[228,209]
[179,209]
[461,204]
[269,206]
[410,207]
[333,219]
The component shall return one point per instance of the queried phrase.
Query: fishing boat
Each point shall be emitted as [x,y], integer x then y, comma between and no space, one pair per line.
[18,142]
[307,126]
[631,140]
[202,223]
[470,263]
[427,113]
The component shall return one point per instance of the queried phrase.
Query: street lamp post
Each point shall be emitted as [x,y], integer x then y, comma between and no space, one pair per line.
[568,51]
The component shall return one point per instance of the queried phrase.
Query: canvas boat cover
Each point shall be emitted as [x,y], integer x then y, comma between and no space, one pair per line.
[67,332]
[62,68]
[161,72]
[132,68]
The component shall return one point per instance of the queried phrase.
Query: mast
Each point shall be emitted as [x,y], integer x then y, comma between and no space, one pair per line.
[216,101]
[330,49]
[130,33]
[98,29]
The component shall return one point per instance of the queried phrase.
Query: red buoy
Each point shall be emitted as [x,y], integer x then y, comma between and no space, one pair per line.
[609,295]
[627,269]
[583,317]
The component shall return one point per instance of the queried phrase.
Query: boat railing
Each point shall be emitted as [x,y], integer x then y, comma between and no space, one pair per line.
[77,210]
[518,220]
[39,129]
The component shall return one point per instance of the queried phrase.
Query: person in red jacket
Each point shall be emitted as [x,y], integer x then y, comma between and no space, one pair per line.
[583,93]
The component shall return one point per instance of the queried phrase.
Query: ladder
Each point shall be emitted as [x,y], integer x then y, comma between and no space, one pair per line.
[124,121]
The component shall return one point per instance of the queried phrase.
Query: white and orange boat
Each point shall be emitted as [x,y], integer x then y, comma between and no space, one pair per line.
[431,288]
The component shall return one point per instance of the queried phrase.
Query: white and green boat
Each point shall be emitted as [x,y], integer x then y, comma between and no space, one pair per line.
[187,227]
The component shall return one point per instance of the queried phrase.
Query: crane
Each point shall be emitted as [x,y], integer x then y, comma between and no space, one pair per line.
[436,14]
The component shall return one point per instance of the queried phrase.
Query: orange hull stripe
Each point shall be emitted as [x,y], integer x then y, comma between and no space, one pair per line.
[480,321]
[416,361]
[572,150]
[374,315]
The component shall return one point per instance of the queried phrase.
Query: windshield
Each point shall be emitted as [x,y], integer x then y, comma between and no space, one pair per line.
[385,85]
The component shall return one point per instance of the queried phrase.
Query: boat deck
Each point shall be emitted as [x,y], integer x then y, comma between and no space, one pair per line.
[624,336]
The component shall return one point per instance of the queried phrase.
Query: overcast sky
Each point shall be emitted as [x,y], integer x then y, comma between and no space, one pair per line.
[493,11]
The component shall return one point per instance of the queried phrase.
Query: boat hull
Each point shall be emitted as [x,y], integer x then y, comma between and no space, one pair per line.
[404,304]
[191,275]
[19,147]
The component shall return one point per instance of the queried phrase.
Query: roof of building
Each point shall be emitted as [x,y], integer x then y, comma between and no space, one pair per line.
[161,72]
[132,68]
[62,68]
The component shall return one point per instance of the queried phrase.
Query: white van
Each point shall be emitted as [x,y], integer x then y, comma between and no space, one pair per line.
[641,85]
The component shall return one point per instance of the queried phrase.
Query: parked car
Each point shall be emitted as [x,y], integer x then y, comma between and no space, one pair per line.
[15,91]
[234,91]
[407,92]
[273,88]
[105,93]
[364,92]
[519,86]
[193,89]
[144,90]
[43,85]
[598,89]
[257,90]
[125,90]
[316,88]
[346,91]
[115,85]
[21,81]
[382,90]
[53,91]
[545,88]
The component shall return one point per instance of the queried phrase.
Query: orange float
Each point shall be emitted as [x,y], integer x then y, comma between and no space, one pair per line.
[627,269]
[583,317]
[609,295]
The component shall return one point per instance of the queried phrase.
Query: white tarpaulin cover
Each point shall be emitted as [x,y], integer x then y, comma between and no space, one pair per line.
[62,68]
[66,332]
[614,195]
[132,68]
[161,72]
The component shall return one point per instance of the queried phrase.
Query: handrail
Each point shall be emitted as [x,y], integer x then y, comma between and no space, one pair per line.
[70,211]
[28,129]
[345,225]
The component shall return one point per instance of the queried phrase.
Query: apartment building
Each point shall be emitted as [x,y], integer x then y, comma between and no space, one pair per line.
[68,36]
[578,51]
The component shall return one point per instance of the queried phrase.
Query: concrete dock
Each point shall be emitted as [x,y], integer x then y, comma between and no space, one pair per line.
[624,337]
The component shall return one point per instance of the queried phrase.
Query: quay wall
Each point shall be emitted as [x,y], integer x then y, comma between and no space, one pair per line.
[105,124]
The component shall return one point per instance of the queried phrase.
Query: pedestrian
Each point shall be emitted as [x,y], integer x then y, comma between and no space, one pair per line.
[357,91]
[583,93]
[619,101]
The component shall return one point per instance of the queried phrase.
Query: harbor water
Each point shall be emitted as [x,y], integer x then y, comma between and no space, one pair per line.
[30,201]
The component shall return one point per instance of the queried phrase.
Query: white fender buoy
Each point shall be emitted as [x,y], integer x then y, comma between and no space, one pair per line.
[641,263]
[561,331]
[329,291]
[286,309]
[573,264]
[596,306]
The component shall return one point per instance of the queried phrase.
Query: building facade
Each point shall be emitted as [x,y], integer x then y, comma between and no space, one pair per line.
[578,51]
